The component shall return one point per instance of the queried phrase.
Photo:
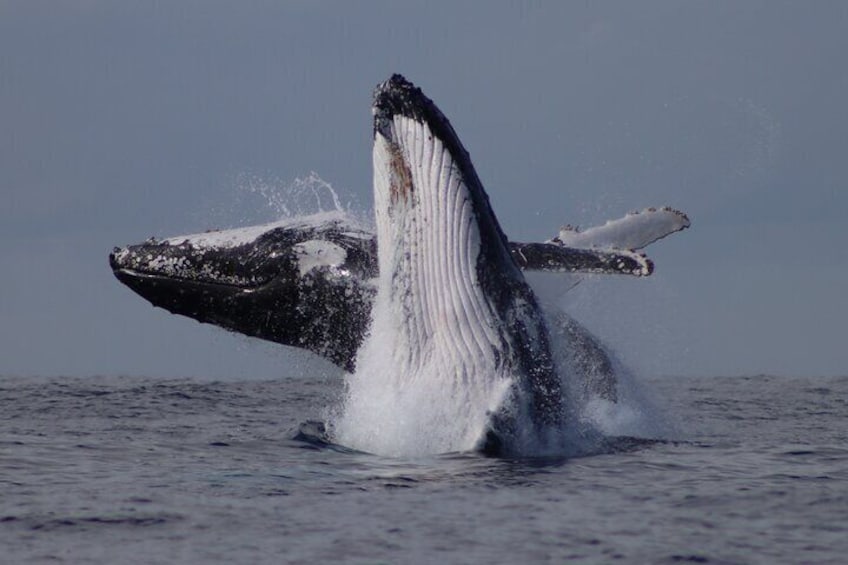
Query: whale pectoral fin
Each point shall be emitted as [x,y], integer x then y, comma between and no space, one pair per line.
[636,230]
[553,258]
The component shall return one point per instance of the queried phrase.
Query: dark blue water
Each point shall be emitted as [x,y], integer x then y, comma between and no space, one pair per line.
[129,470]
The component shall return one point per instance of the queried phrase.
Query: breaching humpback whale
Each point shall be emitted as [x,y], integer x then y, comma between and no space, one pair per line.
[444,264]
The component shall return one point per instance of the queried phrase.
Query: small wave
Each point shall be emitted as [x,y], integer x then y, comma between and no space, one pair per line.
[52,523]
[313,434]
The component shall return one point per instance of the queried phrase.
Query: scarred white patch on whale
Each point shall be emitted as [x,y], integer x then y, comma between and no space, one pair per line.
[318,253]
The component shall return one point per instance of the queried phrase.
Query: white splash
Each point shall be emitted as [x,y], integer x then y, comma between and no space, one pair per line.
[317,253]
[289,199]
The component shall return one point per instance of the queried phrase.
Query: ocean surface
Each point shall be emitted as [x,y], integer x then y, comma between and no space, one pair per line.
[136,470]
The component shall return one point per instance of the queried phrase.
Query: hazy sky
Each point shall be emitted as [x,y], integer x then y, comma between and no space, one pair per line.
[122,120]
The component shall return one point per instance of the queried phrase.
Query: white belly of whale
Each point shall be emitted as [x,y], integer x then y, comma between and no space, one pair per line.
[428,376]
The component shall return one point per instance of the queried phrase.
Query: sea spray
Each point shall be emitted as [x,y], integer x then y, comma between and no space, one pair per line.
[604,393]
[256,198]
[303,195]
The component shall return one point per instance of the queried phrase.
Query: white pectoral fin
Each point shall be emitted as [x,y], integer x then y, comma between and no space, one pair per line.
[636,230]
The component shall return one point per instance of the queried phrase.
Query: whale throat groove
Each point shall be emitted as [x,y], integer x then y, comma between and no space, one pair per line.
[457,335]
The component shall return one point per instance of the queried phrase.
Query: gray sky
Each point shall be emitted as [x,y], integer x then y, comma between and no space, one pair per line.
[121,120]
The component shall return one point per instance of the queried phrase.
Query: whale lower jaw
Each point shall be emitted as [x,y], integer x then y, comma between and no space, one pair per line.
[430,248]
[458,349]
[446,332]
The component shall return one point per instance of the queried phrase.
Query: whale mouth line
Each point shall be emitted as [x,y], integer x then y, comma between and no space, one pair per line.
[123,274]
[185,264]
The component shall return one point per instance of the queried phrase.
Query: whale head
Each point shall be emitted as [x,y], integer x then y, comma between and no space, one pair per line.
[304,283]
